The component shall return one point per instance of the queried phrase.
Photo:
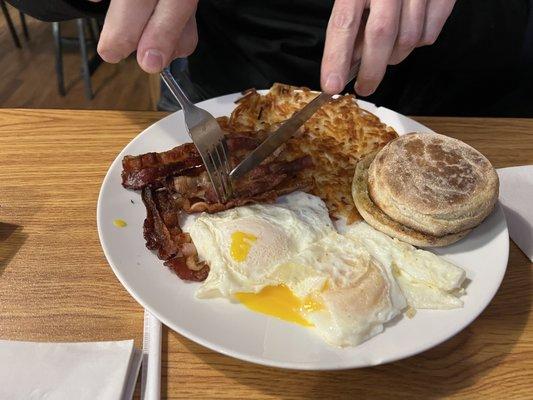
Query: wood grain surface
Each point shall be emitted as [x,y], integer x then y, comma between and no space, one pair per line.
[55,284]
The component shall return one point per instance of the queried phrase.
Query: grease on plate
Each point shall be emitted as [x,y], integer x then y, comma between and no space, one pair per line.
[120,223]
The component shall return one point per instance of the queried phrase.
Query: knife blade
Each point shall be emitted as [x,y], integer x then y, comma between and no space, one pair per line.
[285,131]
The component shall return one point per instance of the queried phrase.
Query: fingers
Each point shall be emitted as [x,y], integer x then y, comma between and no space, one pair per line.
[410,31]
[338,49]
[162,33]
[158,30]
[358,46]
[379,38]
[437,13]
[124,24]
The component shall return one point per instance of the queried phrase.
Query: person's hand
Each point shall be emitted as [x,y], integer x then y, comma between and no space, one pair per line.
[160,31]
[392,30]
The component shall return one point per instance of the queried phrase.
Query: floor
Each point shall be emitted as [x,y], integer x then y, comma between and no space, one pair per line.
[28,78]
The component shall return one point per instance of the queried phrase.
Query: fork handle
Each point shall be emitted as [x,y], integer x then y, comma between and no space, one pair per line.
[176,90]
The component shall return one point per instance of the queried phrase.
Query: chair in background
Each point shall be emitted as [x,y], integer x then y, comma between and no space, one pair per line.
[88,65]
[11,27]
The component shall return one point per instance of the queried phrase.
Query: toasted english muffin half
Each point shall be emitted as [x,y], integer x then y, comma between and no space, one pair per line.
[375,217]
[433,183]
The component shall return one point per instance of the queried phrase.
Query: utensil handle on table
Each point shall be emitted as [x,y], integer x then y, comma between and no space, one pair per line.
[151,364]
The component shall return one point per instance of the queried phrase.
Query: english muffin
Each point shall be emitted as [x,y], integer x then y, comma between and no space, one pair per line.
[375,217]
[433,184]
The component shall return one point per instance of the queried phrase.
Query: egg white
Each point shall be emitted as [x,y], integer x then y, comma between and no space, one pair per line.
[282,231]
[361,278]
[427,280]
[361,295]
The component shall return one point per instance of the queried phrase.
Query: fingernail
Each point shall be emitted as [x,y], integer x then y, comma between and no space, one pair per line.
[152,61]
[361,90]
[333,83]
[110,56]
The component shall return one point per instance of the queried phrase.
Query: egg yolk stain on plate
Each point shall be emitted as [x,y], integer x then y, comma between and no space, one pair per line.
[120,223]
[241,243]
[280,302]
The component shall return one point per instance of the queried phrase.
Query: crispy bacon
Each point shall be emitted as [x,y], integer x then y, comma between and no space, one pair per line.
[263,184]
[164,235]
[153,168]
[175,181]
[181,268]
[265,197]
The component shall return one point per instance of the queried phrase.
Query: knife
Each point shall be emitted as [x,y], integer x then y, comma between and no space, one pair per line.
[285,131]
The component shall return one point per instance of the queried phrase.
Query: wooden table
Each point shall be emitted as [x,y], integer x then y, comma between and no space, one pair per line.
[55,284]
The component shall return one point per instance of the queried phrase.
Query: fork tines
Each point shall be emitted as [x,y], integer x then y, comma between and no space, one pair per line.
[219,174]
[208,138]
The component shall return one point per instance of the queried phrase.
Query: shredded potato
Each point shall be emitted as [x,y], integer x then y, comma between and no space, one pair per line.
[336,137]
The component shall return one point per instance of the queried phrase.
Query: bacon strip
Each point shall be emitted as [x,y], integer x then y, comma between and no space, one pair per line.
[175,181]
[164,235]
[265,197]
[153,168]
[196,194]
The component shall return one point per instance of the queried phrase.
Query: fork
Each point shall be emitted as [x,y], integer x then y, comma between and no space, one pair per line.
[208,138]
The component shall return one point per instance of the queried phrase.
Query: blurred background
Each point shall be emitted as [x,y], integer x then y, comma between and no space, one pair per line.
[36,56]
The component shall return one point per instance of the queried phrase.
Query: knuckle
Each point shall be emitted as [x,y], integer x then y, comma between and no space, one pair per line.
[408,40]
[343,21]
[381,30]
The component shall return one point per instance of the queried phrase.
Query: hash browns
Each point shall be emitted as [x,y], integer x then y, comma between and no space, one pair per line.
[336,137]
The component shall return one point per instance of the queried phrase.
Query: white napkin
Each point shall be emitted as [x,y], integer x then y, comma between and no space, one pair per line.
[516,197]
[94,370]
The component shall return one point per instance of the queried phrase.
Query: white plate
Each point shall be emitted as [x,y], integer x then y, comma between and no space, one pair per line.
[232,329]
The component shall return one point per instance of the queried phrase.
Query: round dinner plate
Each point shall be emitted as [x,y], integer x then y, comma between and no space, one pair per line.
[230,328]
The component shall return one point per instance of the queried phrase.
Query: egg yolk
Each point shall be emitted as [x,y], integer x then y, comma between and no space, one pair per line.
[241,243]
[280,302]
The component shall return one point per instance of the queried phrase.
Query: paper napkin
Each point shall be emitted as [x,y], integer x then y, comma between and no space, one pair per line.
[94,370]
[516,197]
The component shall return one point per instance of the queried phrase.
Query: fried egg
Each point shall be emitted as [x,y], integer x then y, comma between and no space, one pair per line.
[357,296]
[426,280]
[287,260]
[244,245]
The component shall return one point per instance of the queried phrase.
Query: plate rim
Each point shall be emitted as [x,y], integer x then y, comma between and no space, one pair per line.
[253,359]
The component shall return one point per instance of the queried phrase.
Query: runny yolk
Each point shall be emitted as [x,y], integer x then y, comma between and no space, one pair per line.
[279,301]
[241,243]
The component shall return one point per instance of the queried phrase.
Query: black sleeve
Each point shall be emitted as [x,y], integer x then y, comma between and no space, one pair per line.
[60,10]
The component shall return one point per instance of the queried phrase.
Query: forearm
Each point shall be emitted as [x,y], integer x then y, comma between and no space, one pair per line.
[60,10]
